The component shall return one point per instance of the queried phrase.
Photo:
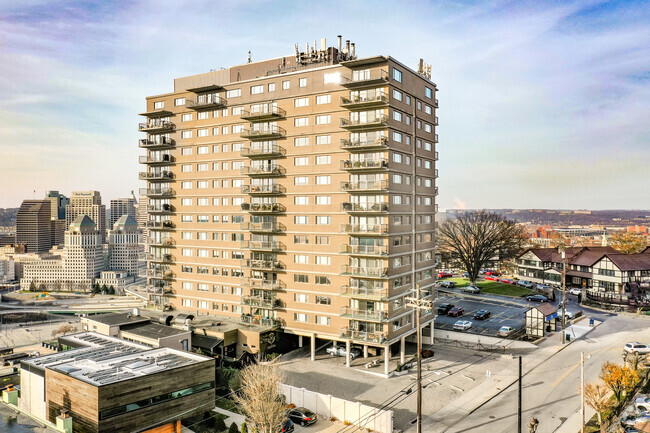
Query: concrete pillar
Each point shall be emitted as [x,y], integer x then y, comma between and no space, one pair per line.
[348,346]
[300,341]
[432,331]
[365,350]
[313,347]
[335,343]
[386,359]
[402,350]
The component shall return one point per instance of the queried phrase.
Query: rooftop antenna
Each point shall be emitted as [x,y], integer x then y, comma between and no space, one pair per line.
[249,57]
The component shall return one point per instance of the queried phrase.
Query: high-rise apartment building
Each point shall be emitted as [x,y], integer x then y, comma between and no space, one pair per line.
[33,226]
[296,192]
[87,203]
[123,206]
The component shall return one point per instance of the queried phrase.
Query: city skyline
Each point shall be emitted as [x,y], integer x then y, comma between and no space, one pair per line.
[568,80]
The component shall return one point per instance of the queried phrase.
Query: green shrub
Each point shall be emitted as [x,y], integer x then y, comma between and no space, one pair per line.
[244,428]
[219,425]
[233,428]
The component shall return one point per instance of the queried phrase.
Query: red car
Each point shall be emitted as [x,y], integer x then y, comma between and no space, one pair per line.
[445,275]
[456,311]
[495,273]
[492,278]
[508,281]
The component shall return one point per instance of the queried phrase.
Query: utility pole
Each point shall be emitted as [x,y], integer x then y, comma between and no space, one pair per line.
[519,400]
[419,304]
[582,391]
[563,252]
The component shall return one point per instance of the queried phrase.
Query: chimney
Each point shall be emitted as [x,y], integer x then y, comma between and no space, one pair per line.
[352,52]
[347,46]
[136,312]
[323,44]
[340,41]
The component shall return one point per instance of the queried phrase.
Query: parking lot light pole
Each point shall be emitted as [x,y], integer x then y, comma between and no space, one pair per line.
[419,304]
[563,252]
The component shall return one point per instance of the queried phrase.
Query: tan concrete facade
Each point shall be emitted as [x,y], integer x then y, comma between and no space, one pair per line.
[302,196]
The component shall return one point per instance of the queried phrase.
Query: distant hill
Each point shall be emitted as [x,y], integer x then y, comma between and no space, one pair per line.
[8,217]
[564,217]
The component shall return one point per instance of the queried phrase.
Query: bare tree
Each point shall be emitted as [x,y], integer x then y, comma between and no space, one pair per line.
[628,243]
[63,329]
[476,237]
[260,399]
[597,397]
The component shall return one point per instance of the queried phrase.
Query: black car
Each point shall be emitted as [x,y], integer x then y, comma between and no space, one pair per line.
[287,427]
[482,314]
[443,309]
[536,298]
[302,416]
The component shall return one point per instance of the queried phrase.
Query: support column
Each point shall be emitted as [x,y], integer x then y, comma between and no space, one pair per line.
[402,350]
[335,343]
[300,341]
[386,359]
[348,346]
[313,347]
[432,331]
[365,350]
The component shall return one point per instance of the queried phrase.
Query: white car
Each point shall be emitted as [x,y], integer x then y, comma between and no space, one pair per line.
[636,347]
[569,315]
[575,291]
[504,331]
[462,325]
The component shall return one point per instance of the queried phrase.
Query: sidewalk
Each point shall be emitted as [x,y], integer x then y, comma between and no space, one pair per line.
[232,417]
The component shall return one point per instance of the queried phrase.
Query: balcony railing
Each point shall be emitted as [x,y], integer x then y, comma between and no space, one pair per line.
[435,138]
[372,122]
[164,242]
[363,293]
[159,290]
[160,209]
[264,208]
[209,100]
[353,334]
[153,176]
[364,207]
[162,225]
[357,271]
[272,189]
[263,265]
[363,145]
[266,227]
[258,320]
[364,229]
[160,258]
[364,250]
[378,99]
[157,192]
[149,143]
[435,103]
[259,302]
[435,156]
[262,245]
[264,284]
[259,112]
[156,159]
[155,125]
[259,150]
[263,170]
[269,131]
[367,315]
[376,77]
[435,173]
[364,165]
[160,274]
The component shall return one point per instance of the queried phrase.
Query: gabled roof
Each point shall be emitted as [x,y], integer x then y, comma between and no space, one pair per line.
[591,255]
[82,221]
[546,309]
[125,221]
[584,256]
[630,262]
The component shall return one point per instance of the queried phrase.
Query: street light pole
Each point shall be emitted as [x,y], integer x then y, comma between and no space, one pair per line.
[419,304]
[563,252]
[582,391]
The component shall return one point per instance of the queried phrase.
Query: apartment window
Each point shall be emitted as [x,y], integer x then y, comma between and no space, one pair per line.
[323,320]
[301,180]
[323,260]
[407,120]
[301,102]
[186,134]
[397,137]
[300,219]
[301,121]
[203,202]
[179,101]
[397,157]
[186,235]
[186,202]
[428,109]
[202,184]
[397,95]
[202,132]
[300,278]
[186,168]
[397,199]
[186,151]
[202,150]
[234,93]
[397,178]
[225,165]
[302,259]
[202,287]
[256,90]
[186,185]
[323,280]
[407,100]
[397,116]
[419,105]
[323,199]
[202,236]
[324,119]
[271,87]
[300,239]
[427,127]
[187,252]
[301,200]
[186,269]
[236,165]
[323,220]
[301,161]
[301,141]
[158,105]
[427,145]
[323,300]
[187,302]
[323,160]
[397,75]
[216,131]
[428,92]
[236,147]
[286,85]
[302,82]
[224,130]
[323,139]
[323,99]
[202,218]
[202,115]
[300,317]
[322,240]
[418,124]
[225,148]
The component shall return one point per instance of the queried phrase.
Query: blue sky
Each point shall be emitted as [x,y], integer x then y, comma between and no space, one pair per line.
[542,104]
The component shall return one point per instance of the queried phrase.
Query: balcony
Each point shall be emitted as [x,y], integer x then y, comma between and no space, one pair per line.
[364,165]
[435,156]
[435,121]
[258,320]
[260,112]
[159,225]
[364,229]
[262,265]
[435,191]
[157,192]
[356,271]
[263,170]
[370,123]
[155,125]
[159,143]
[378,100]
[263,208]
[269,131]
[207,101]
[260,302]
[378,143]
[366,315]
[435,138]
[354,208]
[435,173]
[160,290]
[153,176]
[364,186]
[264,227]
[435,103]
[364,250]
[376,77]
[272,189]
[353,334]
[259,150]
[160,274]
[160,258]
[271,246]
[164,242]
[263,284]
[162,209]
[156,159]
[363,293]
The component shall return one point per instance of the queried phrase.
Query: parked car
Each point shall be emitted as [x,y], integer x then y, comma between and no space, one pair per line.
[456,312]
[569,315]
[508,281]
[482,314]
[525,284]
[575,291]
[471,289]
[504,331]
[482,271]
[492,272]
[448,284]
[355,352]
[462,325]
[287,426]
[302,416]
[536,298]
[443,309]
[635,346]
[492,278]
[642,404]
[465,274]
[445,274]
[542,287]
